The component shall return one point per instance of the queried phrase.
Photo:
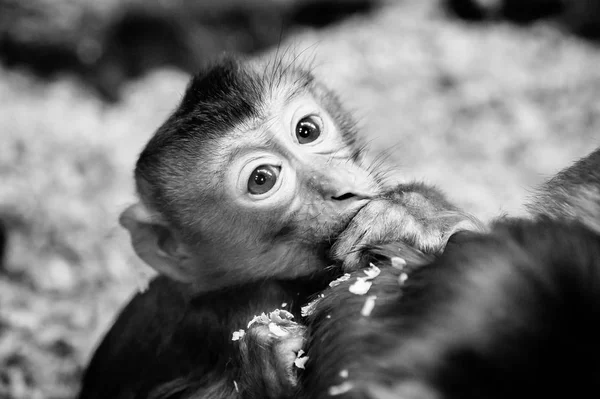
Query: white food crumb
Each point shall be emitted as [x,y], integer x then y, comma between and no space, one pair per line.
[344,373]
[237,335]
[300,359]
[142,284]
[284,304]
[328,316]
[285,314]
[398,263]
[262,318]
[403,277]
[300,362]
[340,389]
[143,275]
[308,309]
[276,330]
[280,316]
[340,280]
[372,272]
[236,386]
[361,286]
[368,306]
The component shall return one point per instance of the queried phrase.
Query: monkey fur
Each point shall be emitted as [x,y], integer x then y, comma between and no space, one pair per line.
[190,313]
[243,191]
[510,313]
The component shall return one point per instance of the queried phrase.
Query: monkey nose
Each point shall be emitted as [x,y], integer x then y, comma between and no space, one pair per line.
[341,185]
[344,191]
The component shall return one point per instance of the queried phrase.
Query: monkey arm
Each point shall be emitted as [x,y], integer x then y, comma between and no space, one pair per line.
[415,213]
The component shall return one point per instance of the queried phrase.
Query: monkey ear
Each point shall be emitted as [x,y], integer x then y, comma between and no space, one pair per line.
[154,242]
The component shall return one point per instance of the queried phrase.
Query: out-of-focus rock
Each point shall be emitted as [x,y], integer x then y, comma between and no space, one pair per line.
[114,42]
[581,17]
[3,244]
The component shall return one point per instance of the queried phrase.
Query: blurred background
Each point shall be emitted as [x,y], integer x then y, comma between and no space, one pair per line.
[484,98]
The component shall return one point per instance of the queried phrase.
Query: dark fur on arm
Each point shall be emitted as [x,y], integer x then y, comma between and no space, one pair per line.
[508,314]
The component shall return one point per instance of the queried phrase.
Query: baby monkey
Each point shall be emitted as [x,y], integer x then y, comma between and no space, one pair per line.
[256,173]
[243,191]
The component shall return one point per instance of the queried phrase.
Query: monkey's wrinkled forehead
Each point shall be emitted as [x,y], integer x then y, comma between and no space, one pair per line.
[220,98]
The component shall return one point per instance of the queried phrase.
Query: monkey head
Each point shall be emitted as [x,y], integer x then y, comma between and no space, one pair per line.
[252,177]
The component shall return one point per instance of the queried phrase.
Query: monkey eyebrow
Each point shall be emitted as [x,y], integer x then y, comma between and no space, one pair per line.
[233,154]
[237,150]
[269,141]
[293,94]
[299,89]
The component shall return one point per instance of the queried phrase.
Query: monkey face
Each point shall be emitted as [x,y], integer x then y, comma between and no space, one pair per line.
[294,166]
[253,176]
[290,184]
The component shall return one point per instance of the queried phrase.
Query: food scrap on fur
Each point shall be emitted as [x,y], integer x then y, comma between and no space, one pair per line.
[344,373]
[402,279]
[280,316]
[237,335]
[340,389]
[300,359]
[261,318]
[398,263]
[309,308]
[276,330]
[361,286]
[372,272]
[368,306]
[340,280]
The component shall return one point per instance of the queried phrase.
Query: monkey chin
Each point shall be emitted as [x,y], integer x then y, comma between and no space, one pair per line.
[303,259]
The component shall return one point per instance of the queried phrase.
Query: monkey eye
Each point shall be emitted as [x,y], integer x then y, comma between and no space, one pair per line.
[308,129]
[263,179]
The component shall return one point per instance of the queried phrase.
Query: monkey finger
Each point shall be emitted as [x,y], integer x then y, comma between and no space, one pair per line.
[354,261]
[345,247]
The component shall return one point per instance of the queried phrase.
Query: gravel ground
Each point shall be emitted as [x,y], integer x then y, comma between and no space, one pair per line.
[486,112]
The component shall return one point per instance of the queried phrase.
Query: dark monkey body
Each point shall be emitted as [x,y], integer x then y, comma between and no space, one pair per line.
[243,191]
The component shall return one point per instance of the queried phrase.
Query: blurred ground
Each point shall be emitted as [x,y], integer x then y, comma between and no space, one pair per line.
[484,111]
[106,43]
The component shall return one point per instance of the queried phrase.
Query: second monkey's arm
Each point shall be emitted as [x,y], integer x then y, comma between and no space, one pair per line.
[415,213]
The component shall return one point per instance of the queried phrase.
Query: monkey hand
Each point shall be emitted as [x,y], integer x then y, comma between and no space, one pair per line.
[272,347]
[416,214]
